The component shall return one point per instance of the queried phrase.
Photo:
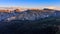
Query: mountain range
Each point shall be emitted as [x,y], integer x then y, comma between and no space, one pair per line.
[30,21]
[29,15]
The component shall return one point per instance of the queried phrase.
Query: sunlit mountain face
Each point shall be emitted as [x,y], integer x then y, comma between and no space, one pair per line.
[27,14]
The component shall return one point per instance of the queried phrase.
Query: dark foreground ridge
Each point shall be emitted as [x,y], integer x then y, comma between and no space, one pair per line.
[27,27]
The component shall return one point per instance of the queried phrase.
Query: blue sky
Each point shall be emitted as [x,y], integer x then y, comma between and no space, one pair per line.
[30,3]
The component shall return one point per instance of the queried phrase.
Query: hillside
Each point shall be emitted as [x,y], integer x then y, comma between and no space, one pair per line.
[30,22]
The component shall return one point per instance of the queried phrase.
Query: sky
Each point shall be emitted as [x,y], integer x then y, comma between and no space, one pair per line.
[30,3]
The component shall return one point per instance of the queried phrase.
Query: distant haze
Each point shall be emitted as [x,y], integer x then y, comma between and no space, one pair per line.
[31,3]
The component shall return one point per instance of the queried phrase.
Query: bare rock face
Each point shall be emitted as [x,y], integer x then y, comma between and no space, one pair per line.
[36,14]
[17,10]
